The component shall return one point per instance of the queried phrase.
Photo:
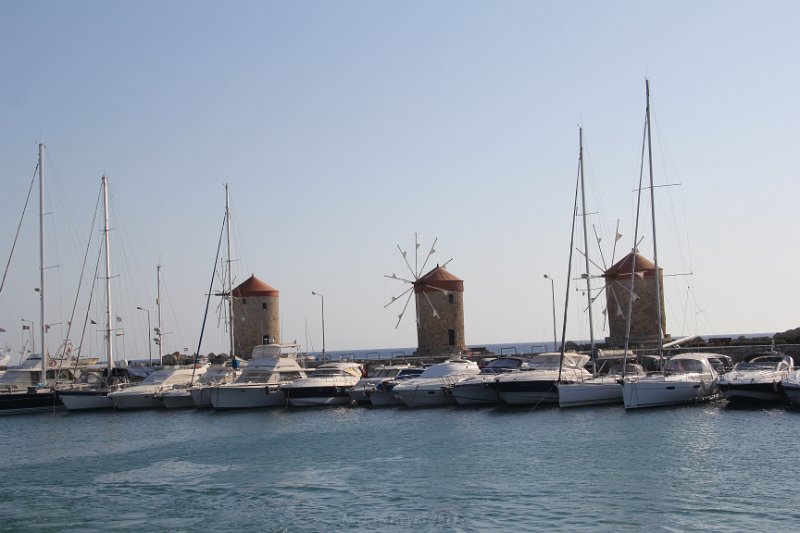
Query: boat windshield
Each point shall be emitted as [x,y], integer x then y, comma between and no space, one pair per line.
[407,373]
[762,363]
[328,372]
[505,364]
[680,366]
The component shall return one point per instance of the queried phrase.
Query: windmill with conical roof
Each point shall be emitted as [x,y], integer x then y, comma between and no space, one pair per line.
[439,304]
[256,306]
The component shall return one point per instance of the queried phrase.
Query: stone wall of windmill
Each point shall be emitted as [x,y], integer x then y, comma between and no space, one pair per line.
[644,317]
[257,319]
[439,299]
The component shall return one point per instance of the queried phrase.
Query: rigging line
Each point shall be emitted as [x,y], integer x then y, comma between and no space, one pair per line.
[569,271]
[208,298]
[86,318]
[83,267]
[19,227]
[629,316]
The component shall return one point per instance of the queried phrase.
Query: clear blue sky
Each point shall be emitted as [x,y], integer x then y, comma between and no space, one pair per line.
[343,127]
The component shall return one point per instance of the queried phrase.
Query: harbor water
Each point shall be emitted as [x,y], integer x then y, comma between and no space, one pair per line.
[696,468]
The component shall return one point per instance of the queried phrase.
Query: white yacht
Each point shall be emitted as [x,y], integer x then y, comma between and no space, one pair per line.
[538,384]
[477,390]
[383,393]
[366,387]
[687,378]
[605,387]
[146,393]
[758,378]
[259,384]
[183,395]
[791,386]
[431,387]
[328,384]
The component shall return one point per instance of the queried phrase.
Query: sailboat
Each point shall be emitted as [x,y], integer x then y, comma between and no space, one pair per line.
[685,378]
[39,396]
[82,397]
[605,385]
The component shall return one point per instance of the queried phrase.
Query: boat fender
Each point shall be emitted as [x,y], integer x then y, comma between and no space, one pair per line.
[53,364]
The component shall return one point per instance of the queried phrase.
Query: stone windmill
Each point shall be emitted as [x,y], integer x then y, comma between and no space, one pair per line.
[439,304]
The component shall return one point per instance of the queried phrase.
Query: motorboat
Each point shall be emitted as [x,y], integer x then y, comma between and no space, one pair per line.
[791,386]
[431,387]
[146,394]
[605,385]
[364,389]
[538,383]
[687,378]
[91,388]
[328,384]
[259,384]
[477,390]
[188,395]
[757,377]
[383,393]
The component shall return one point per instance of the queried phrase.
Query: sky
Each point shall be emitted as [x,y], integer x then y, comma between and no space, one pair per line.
[344,128]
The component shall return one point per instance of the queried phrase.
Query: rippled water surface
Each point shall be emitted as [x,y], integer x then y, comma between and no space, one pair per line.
[699,468]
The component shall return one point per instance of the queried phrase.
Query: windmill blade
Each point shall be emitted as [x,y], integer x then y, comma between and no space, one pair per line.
[413,274]
[435,314]
[400,316]
[436,288]
[398,278]
[430,253]
[617,237]
[446,262]
[601,291]
[598,238]
[590,259]
[395,298]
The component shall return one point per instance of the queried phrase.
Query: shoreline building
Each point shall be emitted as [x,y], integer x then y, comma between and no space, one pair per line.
[644,319]
[256,313]
[439,299]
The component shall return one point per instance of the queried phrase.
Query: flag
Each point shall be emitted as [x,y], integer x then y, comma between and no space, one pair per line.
[119,319]
[2,330]
[93,322]
[25,327]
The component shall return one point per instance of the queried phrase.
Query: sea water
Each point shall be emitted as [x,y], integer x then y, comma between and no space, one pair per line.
[696,468]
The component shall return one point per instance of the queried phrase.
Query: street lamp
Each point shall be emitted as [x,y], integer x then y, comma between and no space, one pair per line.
[149,343]
[323,322]
[553,292]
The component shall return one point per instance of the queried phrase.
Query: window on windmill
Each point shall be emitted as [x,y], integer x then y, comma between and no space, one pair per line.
[451,337]
[244,301]
[451,298]
[263,305]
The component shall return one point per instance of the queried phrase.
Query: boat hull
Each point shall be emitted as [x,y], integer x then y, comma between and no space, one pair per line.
[589,393]
[28,402]
[201,397]
[760,392]
[318,396]
[85,400]
[522,392]
[174,400]
[474,394]
[661,393]
[144,400]
[246,397]
[422,396]
[383,398]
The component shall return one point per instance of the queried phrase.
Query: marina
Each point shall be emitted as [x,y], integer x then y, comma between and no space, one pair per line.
[444,469]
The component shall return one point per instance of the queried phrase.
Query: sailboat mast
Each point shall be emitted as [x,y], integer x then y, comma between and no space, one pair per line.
[43,327]
[653,219]
[158,307]
[586,248]
[228,268]
[109,341]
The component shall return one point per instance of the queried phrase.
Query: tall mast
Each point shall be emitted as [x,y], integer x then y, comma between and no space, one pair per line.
[43,378]
[109,342]
[228,268]
[653,217]
[160,333]
[586,248]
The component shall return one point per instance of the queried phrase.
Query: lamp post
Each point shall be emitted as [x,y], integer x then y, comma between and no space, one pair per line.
[323,322]
[553,292]
[149,343]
